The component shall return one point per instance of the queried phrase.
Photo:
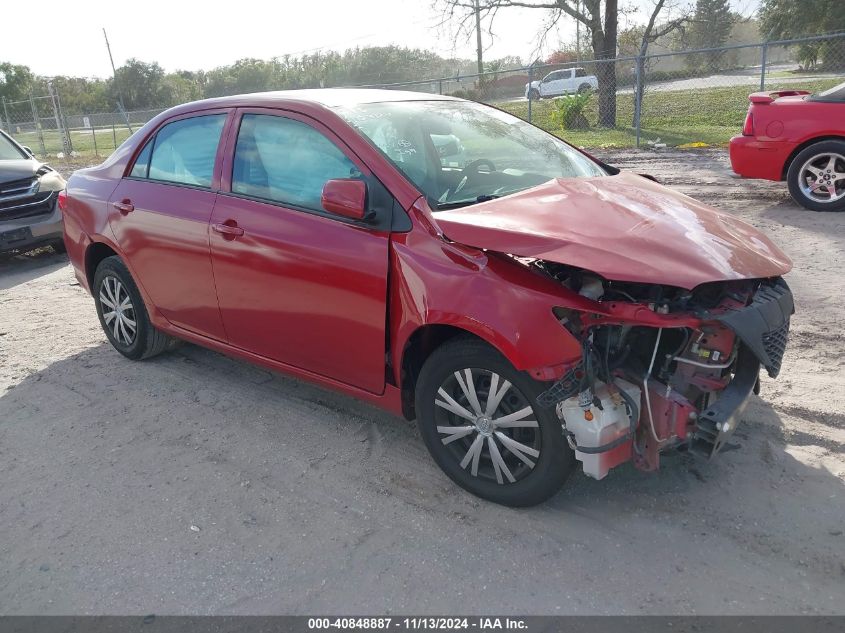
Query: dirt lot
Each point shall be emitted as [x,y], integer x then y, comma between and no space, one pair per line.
[310,502]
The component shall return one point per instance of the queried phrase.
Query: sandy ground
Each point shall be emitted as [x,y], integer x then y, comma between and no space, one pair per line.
[309,502]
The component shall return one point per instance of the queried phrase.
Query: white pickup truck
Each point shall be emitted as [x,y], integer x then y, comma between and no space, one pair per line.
[561,82]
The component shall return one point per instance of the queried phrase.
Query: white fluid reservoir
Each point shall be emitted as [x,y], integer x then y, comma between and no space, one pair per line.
[608,424]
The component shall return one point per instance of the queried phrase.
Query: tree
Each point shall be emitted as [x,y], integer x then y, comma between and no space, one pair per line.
[181,87]
[244,76]
[141,84]
[650,33]
[79,95]
[710,28]
[785,19]
[675,17]
[15,81]
[563,55]
[601,17]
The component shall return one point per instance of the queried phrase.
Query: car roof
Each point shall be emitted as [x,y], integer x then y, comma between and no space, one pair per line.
[833,95]
[327,97]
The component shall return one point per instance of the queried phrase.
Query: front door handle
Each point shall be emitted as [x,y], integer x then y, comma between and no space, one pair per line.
[124,206]
[228,229]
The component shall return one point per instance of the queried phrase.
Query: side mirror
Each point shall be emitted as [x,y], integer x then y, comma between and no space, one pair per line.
[28,151]
[346,197]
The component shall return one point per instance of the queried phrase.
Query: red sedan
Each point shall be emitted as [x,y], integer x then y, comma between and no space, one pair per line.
[528,305]
[799,137]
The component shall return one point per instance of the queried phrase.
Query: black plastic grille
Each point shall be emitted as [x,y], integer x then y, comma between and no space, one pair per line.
[764,324]
[39,204]
[14,187]
[774,343]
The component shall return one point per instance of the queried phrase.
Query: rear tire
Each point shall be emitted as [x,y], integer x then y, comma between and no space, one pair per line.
[812,172]
[122,313]
[482,455]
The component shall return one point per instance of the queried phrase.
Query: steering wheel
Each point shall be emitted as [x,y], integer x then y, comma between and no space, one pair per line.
[471,168]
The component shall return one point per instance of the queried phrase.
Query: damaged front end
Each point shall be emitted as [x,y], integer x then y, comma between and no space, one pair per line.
[662,367]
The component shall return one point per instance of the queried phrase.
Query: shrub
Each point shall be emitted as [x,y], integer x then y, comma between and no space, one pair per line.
[568,111]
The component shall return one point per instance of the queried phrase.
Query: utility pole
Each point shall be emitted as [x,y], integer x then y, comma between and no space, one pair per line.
[578,32]
[117,84]
[478,38]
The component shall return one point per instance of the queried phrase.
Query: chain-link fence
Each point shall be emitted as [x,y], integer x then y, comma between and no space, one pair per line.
[40,124]
[674,98]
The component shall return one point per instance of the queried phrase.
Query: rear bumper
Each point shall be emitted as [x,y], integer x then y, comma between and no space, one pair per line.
[27,233]
[753,158]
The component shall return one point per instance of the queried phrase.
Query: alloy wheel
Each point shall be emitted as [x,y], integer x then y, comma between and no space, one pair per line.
[488,425]
[822,178]
[118,311]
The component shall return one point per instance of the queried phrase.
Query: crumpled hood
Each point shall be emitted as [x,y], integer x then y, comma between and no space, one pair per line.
[18,169]
[623,227]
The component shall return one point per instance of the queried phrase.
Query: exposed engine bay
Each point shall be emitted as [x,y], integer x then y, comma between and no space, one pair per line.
[662,367]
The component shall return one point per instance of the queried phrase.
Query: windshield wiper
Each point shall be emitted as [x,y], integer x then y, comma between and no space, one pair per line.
[466,203]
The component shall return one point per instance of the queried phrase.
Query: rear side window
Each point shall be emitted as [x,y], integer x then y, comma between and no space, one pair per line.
[141,168]
[580,72]
[182,152]
[286,161]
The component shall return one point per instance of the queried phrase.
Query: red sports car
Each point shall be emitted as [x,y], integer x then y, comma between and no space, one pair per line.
[528,305]
[799,137]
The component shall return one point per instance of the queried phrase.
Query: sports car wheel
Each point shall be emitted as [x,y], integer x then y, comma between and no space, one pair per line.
[816,176]
[480,422]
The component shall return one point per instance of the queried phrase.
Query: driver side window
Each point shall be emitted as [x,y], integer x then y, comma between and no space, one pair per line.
[286,161]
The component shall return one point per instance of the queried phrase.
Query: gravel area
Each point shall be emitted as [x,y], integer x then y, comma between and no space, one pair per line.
[197,484]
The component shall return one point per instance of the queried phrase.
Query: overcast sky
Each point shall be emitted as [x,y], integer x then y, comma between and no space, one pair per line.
[191,35]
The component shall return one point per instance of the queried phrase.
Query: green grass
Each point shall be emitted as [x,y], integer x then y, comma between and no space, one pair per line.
[710,115]
[82,140]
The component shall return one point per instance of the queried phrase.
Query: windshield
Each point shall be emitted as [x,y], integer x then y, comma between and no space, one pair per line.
[460,152]
[837,94]
[8,149]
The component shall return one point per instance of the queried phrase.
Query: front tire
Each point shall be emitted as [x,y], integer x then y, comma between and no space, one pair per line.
[816,176]
[584,88]
[533,95]
[122,313]
[479,420]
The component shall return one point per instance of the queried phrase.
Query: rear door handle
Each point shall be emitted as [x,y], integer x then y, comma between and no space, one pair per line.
[124,206]
[228,229]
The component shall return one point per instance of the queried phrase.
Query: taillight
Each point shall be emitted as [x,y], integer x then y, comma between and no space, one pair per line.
[748,126]
[63,200]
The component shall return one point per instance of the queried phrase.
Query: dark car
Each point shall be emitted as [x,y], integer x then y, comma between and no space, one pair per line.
[529,305]
[29,191]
